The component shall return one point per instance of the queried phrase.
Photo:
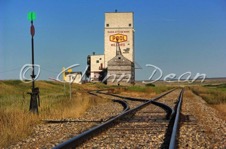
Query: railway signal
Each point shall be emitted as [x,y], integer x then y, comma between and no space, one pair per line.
[35,100]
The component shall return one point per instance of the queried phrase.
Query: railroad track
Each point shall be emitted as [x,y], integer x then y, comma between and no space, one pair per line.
[151,124]
[132,102]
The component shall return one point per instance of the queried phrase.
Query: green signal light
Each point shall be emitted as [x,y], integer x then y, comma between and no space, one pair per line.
[31,16]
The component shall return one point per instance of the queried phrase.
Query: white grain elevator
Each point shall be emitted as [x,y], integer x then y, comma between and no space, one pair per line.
[119,34]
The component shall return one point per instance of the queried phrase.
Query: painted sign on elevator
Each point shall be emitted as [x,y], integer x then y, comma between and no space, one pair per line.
[119,37]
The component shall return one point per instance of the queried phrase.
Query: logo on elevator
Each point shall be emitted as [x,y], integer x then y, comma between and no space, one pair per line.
[119,37]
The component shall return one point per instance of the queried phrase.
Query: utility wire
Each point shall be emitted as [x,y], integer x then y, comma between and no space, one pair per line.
[10,70]
[45,69]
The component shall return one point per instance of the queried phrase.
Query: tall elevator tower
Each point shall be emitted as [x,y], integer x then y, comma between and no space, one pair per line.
[120,26]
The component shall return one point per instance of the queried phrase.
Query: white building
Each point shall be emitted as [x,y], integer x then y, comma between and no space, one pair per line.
[73,77]
[119,25]
[118,28]
[96,67]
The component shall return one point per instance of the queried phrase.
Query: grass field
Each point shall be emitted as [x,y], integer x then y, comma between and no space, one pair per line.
[159,89]
[214,95]
[17,122]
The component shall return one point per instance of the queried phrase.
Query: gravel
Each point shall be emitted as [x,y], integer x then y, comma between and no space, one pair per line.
[201,126]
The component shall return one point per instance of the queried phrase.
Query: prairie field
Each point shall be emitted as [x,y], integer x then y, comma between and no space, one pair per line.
[214,95]
[16,122]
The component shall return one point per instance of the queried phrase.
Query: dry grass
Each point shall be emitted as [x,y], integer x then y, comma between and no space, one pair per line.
[215,95]
[66,108]
[210,95]
[15,124]
[149,89]
[140,91]
[222,109]
[15,120]
[188,94]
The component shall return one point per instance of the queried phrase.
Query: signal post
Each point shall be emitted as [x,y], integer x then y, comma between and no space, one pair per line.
[35,99]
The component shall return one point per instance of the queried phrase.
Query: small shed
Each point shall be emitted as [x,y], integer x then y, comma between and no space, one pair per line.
[73,77]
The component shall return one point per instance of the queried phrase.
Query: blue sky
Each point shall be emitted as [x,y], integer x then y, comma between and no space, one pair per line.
[177,35]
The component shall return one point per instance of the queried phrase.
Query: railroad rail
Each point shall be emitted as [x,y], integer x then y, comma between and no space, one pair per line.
[176,115]
[125,118]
